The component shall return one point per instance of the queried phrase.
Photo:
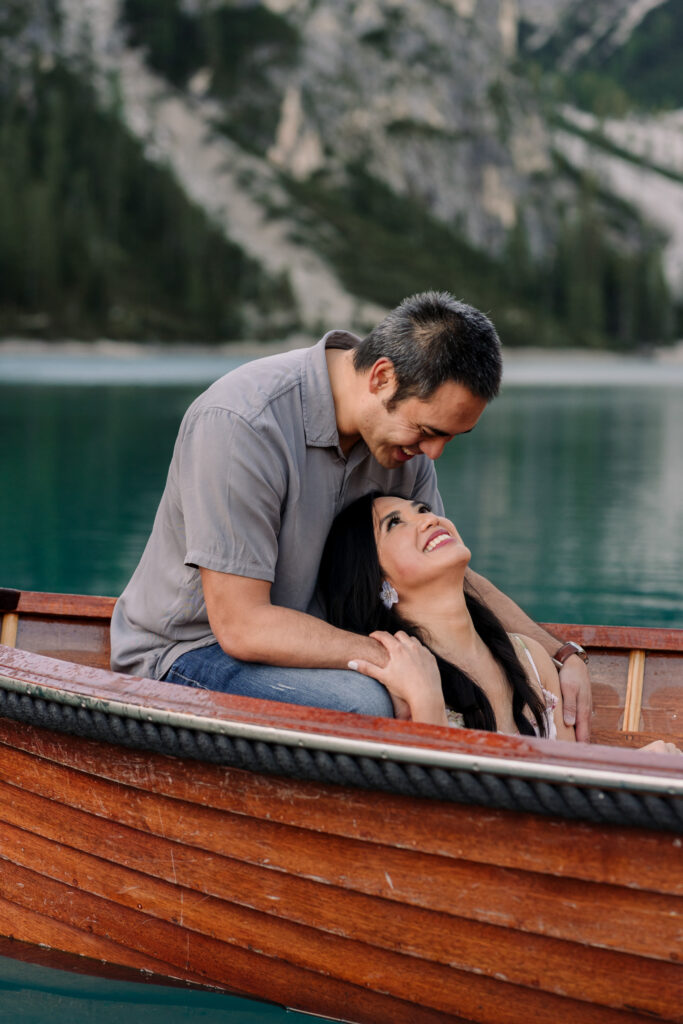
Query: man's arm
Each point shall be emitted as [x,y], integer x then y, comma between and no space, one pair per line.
[249,627]
[574,677]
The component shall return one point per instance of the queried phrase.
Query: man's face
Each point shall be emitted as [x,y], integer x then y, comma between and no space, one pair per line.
[415,425]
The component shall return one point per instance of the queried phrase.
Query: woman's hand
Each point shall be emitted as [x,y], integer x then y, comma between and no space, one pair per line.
[411,675]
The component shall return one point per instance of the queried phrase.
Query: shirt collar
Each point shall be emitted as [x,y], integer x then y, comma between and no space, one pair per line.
[320,421]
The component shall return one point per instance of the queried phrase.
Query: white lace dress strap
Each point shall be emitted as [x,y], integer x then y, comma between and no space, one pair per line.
[550,699]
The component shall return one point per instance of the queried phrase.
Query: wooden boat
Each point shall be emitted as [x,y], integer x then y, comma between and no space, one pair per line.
[364,869]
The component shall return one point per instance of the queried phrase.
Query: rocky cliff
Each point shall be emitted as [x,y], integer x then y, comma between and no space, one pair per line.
[359,149]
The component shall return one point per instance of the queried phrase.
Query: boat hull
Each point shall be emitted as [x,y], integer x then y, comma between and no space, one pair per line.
[321,898]
[344,900]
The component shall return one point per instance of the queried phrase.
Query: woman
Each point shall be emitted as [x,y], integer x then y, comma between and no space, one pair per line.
[395,570]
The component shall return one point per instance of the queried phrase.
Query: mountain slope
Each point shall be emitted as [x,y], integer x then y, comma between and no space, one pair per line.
[352,151]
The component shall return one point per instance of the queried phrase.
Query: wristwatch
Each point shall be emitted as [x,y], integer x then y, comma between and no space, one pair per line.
[566,651]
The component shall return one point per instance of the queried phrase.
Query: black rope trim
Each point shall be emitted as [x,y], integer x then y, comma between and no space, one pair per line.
[582,803]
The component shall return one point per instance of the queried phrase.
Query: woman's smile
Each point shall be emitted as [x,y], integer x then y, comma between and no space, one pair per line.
[437,539]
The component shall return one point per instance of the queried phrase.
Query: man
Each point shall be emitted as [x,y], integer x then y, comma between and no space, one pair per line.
[224,595]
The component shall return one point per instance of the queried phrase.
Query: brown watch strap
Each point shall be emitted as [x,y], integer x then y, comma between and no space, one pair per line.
[566,651]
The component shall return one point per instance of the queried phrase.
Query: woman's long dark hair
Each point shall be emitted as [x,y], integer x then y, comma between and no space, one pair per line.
[349,584]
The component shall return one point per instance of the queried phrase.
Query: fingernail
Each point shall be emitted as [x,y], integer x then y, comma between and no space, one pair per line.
[353,665]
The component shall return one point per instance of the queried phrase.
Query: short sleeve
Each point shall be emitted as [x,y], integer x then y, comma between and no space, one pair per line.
[231,482]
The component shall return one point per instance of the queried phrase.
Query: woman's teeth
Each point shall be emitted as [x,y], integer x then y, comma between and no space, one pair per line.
[443,538]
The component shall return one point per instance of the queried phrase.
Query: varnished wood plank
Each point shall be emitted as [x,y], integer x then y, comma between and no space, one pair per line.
[33,927]
[662,708]
[633,857]
[604,916]
[8,631]
[79,605]
[308,992]
[68,626]
[87,967]
[634,690]
[402,874]
[448,990]
[624,637]
[609,673]
[81,641]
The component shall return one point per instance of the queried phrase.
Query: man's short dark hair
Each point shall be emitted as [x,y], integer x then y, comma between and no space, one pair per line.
[432,338]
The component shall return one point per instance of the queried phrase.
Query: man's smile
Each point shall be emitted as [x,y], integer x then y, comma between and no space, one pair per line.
[404,454]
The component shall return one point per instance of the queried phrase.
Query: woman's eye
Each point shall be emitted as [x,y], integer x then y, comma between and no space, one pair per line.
[424,508]
[392,522]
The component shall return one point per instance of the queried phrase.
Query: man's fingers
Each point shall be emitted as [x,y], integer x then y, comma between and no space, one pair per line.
[576,698]
[569,712]
[583,722]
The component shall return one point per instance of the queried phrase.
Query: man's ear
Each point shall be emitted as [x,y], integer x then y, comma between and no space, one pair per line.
[382,377]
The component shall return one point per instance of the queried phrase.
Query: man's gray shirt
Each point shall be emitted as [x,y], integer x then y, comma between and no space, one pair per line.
[256,478]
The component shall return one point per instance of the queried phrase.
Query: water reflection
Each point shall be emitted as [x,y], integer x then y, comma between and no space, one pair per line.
[572,501]
[570,498]
[33,994]
[82,470]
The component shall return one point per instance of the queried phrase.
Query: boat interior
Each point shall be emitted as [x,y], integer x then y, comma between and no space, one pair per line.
[637,672]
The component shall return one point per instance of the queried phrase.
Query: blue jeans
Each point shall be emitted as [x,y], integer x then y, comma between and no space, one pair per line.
[210,668]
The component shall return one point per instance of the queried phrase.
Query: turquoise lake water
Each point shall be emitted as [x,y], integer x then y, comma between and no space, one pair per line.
[571,499]
[41,995]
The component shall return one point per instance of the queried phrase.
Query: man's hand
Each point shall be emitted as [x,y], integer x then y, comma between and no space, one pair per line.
[577,696]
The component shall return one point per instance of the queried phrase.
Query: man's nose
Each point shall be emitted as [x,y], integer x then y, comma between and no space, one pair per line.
[433,447]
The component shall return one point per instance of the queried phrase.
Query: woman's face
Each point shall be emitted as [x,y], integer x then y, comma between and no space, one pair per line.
[413,544]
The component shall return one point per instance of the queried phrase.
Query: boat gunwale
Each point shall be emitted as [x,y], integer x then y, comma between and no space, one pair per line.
[379,739]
